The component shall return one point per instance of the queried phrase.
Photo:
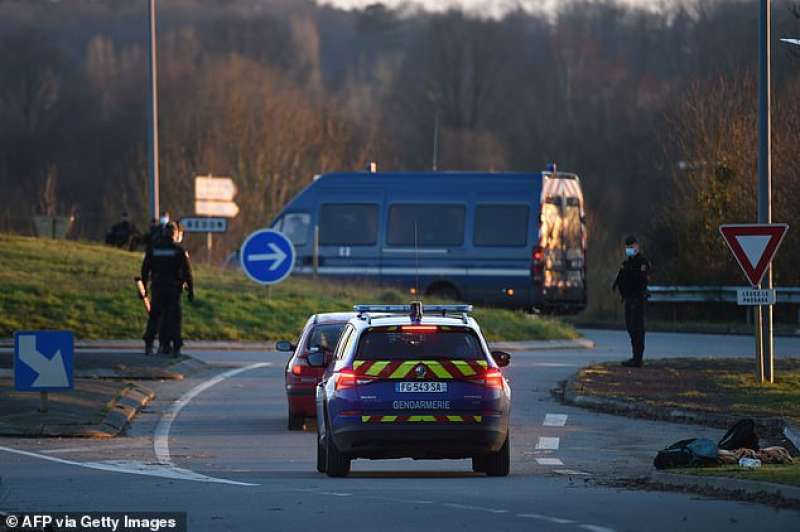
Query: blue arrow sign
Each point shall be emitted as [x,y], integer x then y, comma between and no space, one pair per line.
[43,360]
[267,256]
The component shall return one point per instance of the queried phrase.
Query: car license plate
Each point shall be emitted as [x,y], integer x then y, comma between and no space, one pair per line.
[421,387]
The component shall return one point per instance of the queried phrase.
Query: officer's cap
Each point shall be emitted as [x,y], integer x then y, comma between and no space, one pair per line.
[631,240]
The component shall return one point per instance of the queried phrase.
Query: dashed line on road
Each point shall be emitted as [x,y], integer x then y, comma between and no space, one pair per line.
[571,472]
[555,420]
[548,444]
[549,461]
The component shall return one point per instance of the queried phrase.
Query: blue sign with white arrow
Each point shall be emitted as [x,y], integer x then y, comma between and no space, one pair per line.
[43,360]
[267,257]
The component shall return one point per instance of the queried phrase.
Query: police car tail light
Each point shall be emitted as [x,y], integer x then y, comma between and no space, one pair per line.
[419,328]
[537,262]
[345,379]
[493,378]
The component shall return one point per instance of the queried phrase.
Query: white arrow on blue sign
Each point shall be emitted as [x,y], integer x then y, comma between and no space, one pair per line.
[43,360]
[267,257]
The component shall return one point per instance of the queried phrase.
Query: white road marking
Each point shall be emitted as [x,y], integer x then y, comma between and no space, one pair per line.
[549,461]
[556,520]
[132,468]
[548,444]
[571,472]
[476,508]
[161,435]
[595,528]
[555,420]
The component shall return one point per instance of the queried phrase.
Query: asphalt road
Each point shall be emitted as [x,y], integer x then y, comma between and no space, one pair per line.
[228,461]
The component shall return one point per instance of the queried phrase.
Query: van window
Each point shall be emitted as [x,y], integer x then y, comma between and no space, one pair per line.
[348,224]
[435,224]
[294,225]
[501,225]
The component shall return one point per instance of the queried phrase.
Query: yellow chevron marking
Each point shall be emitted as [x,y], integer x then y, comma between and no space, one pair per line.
[414,419]
[388,419]
[403,368]
[376,368]
[358,363]
[437,369]
[455,418]
[478,418]
[365,419]
[483,363]
[464,367]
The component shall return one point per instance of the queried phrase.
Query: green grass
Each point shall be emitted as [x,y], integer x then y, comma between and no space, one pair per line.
[88,288]
[781,474]
[726,386]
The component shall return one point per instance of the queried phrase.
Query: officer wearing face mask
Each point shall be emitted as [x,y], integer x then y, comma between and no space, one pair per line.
[631,282]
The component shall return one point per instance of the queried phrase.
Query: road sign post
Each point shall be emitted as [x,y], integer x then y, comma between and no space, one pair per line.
[267,257]
[754,246]
[43,362]
[213,196]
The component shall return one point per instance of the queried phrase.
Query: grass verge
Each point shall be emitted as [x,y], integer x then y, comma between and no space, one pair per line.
[726,386]
[780,474]
[88,288]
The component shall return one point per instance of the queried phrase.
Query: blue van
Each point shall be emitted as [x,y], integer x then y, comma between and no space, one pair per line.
[515,240]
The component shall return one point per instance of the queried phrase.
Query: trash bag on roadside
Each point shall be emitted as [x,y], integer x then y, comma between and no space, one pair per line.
[742,435]
[694,452]
[774,455]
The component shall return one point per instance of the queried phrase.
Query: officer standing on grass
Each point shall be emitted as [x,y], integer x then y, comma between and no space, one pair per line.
[166,265]
[631,282]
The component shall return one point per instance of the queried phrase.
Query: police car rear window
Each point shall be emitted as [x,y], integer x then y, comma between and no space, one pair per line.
[419,343]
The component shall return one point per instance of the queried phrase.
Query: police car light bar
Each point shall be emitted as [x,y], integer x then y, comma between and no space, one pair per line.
[405,309]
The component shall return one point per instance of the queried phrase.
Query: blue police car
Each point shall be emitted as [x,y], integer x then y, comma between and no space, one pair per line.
[409,381]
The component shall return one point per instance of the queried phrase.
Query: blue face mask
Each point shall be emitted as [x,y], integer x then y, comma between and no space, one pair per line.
[630,252]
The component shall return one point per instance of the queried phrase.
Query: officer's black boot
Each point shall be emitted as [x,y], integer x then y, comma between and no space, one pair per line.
[148,348]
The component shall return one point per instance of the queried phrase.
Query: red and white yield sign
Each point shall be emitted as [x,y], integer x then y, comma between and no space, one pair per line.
[754,246]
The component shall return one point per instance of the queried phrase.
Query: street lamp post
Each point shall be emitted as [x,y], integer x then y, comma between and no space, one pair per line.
[152,130]
[765,179]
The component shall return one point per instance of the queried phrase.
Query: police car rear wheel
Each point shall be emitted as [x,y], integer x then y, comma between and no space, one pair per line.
[337,464]
[498,464]
[322,456]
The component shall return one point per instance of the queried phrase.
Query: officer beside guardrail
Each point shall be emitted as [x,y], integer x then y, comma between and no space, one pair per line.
[631,282]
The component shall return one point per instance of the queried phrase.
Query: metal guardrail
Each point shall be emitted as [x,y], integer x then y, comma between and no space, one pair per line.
[712,294]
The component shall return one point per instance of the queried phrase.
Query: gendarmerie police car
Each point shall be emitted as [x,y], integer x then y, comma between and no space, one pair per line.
[404,384]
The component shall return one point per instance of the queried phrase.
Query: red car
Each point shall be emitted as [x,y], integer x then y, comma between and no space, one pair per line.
[321,333]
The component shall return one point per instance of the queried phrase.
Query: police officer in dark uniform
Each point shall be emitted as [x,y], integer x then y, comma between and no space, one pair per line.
[166,265]
[631,282]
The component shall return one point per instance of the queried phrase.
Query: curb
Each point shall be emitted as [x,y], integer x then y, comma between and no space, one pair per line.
[769,426]
[727,484]
[121,410]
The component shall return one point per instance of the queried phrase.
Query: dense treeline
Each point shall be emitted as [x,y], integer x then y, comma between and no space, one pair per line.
[655,110]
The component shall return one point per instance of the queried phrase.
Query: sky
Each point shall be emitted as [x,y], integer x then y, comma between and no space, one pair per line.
[483,7]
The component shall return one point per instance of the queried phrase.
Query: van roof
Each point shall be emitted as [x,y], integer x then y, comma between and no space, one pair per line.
[440,175]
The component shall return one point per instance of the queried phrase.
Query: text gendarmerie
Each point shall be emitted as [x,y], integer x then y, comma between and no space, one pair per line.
[421,405]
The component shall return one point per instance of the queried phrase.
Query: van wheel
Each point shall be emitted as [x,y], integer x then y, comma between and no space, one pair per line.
[337,464]
[295,421]
[479,464]
[498,464]
[322,456]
